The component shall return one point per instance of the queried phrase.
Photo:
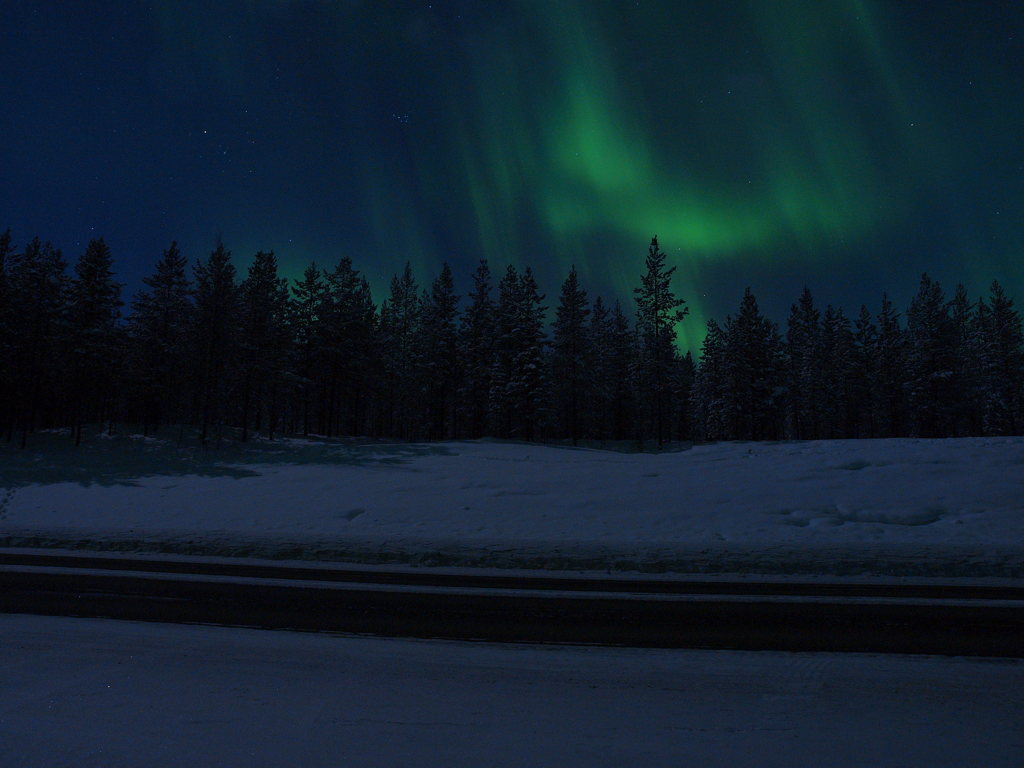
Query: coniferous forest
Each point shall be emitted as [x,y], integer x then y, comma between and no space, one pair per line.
[250,354]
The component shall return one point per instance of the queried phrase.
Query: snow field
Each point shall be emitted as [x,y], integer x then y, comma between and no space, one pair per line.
[899,506]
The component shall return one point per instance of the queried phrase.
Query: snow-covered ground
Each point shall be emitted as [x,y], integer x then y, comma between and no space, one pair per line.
[85,692]
[910,507]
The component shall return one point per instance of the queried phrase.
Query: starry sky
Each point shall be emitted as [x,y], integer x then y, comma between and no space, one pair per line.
[845,145]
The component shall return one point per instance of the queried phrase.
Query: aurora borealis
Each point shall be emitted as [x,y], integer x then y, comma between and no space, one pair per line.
[847,145]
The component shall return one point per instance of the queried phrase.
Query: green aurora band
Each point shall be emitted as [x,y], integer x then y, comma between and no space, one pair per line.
[755,138]
[719,166]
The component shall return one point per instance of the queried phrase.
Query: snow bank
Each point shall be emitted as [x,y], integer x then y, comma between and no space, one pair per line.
[949,507]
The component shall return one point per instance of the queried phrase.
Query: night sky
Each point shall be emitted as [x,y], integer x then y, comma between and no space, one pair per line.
[847,145]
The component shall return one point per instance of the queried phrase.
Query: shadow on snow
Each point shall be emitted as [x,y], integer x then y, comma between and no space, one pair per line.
[123,459]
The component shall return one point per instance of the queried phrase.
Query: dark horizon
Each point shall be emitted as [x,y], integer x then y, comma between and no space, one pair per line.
[322,356]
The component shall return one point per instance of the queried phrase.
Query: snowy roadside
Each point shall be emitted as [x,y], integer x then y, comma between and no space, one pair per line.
[93,692]
[927,508]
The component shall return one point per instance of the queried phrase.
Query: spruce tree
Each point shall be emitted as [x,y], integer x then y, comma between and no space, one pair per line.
[755,373]
[264,344]
[6,250]
[37,313]
[711,402]
[804,355]
[476,350]
[6,340]
[400,330]
[518,382]
[930,360]
[528,388]
[838,370]
[657,311]
[215,341]
[309,299]
[350,349]
[967,413]
[682,397]
[438,356]
[1002,355]
[622,354]
[569,358]
[158,332]
[500,404]
[889,388]
[610,411]
[601,385]
[865,344]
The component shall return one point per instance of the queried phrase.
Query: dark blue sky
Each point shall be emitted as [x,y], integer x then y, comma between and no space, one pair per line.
[846,145]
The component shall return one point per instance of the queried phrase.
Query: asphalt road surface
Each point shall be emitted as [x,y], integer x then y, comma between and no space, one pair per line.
[664,613]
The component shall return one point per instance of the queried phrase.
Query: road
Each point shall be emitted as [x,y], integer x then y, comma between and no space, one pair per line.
[664,613]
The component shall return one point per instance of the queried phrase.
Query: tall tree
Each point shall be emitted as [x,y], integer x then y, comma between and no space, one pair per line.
[755,373]
[967,415]
[889,390]
[158,332]
[264,344]
[518,381]
[476,351]
[1002,358]
[215,339]
[804,368]
[37,312]
[682,397]
[6,249]
[6,336]
[570,356]
[611,344]
[503,366]
[838,369]
[930,360]
[308,307]
[711,400]
[439,355]
[529,385]
[400,332]
[658,311]
[349,345]
[597,363]
[865,372]
[622,353]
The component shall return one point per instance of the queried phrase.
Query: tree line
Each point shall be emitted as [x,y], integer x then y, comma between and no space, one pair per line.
[258,355]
